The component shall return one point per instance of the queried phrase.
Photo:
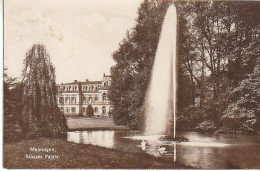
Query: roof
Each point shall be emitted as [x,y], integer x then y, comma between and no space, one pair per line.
[85,82]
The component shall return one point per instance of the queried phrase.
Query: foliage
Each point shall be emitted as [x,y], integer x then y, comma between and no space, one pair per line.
[134,60]
[218,50]
[90,111]
[12,106]
[39,106]
[243,112]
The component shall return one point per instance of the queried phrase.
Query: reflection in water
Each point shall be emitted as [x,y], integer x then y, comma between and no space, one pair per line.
[205,151]
[100,138]
[175,151]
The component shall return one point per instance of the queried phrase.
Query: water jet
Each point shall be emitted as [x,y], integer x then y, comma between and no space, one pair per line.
[160,101]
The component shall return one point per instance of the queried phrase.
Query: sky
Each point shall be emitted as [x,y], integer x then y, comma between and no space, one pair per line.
[80,35]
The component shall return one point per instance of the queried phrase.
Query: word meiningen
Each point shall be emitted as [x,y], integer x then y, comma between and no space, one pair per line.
[42,149]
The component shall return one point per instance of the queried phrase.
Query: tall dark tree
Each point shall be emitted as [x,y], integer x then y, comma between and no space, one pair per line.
[39,105]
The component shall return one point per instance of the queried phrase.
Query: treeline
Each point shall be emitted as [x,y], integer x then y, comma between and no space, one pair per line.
[30,105]
[218,65]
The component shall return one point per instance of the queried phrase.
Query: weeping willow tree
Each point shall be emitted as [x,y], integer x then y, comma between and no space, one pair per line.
[39,106]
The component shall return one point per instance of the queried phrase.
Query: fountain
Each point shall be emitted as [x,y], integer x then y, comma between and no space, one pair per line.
[160,102]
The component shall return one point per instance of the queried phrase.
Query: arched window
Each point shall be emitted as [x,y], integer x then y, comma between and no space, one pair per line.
[86,88]
[104,110]
[96,88]
[104,96]
[105,84]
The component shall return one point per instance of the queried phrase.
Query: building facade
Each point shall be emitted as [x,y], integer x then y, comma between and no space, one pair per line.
[74,98]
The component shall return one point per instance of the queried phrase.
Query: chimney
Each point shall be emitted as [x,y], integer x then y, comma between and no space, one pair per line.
[75,81]
[86,80]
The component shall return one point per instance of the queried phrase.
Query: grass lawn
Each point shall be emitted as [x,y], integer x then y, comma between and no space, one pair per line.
[97,123]
[71,155]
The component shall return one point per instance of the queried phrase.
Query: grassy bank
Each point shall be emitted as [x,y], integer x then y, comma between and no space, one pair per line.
[95,123]
[63,154]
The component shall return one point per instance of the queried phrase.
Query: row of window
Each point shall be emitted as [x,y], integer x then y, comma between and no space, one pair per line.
[68,109]
[85,88]
[84,109]
[73,100]
[68,100]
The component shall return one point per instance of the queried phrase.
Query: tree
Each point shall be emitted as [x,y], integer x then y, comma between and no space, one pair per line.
[134,60]
[219,47]
[243,112]
[90,111]
[40,111]
[12,106]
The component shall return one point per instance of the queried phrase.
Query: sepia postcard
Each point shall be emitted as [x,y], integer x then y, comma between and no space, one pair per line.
[131,84]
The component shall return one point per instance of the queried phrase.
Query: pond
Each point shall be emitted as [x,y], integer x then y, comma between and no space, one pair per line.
[207,151]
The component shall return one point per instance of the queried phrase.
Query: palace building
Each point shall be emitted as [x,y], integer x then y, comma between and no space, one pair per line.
[74,98]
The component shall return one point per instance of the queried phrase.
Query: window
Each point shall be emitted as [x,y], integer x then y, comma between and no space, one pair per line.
[96,98]
[104,110]
[67,109]
[89,99]
[84,100]
[96,109]
[61,100]
[96,88]
[73,109]
[67,100]
[104,96]
[84,110]
[73,100]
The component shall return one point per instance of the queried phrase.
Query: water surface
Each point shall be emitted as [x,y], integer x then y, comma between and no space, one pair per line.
[206,151]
